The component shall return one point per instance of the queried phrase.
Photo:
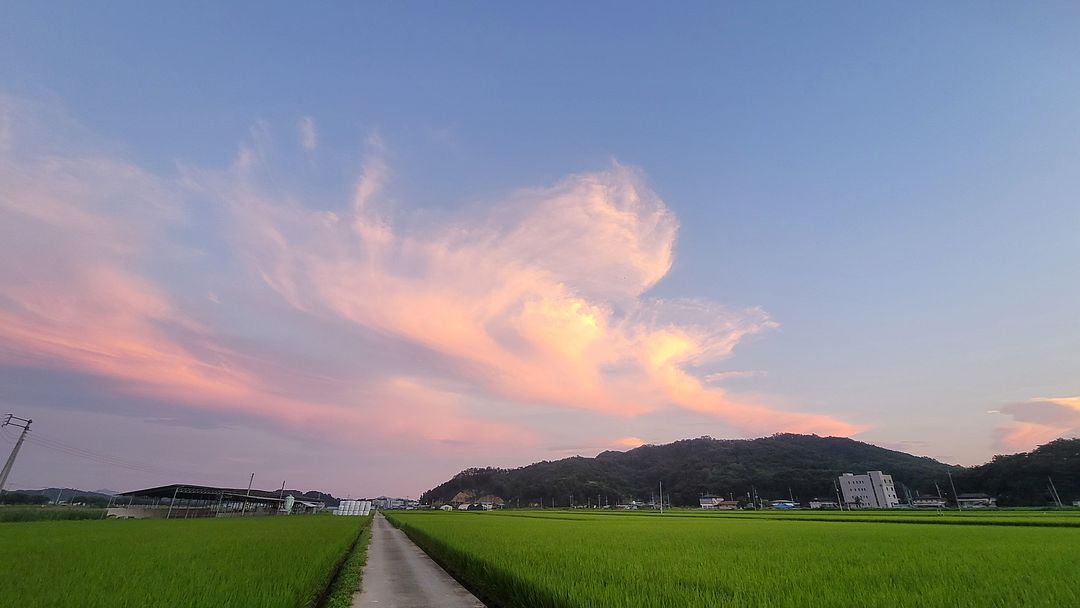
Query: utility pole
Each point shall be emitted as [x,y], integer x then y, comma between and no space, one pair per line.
[25,426]
[956,496]
[172,503]
[661,498]
[1053,490]
[243,509]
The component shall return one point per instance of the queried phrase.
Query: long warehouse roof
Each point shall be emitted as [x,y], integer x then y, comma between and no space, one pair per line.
[197,492]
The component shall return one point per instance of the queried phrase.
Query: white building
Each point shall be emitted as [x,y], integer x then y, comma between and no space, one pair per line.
[873,490]
[976,501]
[928,502]
[353,507]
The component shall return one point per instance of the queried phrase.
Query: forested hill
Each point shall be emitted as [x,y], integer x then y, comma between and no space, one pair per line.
[803,466]
[1024,479]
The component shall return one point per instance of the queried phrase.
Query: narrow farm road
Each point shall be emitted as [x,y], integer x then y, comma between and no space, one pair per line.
[398,574]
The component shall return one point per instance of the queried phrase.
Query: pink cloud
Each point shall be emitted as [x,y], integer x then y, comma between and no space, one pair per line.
[540,300]
[629,442]
[1039,421]
[75,295]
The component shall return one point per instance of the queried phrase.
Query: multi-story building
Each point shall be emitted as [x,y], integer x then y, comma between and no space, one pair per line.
[873,490]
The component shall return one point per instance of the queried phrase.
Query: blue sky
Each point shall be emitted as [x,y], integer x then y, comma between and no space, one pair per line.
[893,186]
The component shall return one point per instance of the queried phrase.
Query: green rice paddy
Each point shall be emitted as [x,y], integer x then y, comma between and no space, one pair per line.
[47,513]
[584,559]
[235,562]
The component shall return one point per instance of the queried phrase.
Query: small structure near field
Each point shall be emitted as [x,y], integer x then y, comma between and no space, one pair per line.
[928,502]
[353,507]
[711,502]
[975,501]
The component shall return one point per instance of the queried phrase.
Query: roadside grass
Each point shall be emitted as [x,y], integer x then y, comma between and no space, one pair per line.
[272,562]
[570,560]
[348,579]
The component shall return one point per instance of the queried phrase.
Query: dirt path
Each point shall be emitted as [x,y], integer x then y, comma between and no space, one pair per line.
[398,574]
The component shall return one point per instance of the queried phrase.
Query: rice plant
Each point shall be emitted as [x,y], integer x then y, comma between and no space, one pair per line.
[573,559]
[267,561]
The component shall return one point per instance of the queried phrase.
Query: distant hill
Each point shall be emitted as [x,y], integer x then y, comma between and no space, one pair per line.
[802,466]
[1024,479]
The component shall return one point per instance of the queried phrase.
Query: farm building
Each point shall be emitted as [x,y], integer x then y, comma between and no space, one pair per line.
[975,501]
[709,501]
[295,506]
[928,502]
[488,501]
[184,501]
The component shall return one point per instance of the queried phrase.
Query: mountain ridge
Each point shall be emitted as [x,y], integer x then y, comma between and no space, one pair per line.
[784,465]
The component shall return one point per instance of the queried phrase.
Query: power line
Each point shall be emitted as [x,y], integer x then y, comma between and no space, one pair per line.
[106,459]
[113,461]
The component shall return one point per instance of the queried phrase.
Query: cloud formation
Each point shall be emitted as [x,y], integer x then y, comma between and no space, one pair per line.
[540,299]
[1038,421]
[440,330]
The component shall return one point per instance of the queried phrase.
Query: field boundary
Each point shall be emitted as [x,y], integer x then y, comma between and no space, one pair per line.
[943,519]
[323,598]
[456,563]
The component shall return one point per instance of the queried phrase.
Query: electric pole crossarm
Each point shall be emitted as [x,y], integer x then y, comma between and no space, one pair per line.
[25,426]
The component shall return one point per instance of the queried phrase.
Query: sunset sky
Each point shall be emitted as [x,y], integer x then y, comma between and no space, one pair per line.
[362,247]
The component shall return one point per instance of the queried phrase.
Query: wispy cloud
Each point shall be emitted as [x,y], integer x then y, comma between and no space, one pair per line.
[350,321]
[539,299]
[309,134]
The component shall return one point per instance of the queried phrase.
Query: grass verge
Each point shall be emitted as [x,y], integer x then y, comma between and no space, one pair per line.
[347,582]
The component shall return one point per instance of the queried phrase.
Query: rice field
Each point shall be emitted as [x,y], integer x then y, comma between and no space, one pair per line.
[236,562]
[554,559]
[48,513]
